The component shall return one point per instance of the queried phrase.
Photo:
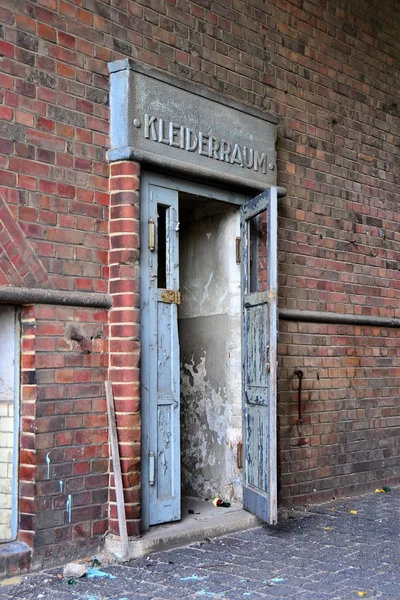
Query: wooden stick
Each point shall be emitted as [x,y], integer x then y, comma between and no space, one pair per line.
[119,491]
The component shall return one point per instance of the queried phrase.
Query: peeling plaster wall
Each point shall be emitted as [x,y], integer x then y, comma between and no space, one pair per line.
[210,344]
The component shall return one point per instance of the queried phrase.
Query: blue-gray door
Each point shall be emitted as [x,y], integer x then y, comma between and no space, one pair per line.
[259,305]
[161,501]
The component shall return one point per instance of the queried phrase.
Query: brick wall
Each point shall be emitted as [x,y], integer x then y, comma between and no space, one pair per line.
[64,444]
[328,70]
[349,440]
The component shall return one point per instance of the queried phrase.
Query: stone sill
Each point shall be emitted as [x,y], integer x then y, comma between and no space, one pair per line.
[15,558]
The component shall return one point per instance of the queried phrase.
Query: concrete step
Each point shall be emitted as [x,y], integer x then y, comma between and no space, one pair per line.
[206,522]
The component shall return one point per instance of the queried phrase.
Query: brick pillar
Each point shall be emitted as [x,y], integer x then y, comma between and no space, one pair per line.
[125,334]
[27,441]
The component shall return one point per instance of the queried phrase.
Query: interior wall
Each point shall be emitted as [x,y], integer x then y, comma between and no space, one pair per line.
[210,345]
[8,420]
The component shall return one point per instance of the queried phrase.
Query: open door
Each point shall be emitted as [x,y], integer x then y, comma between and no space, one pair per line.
[161,481]
[259,305]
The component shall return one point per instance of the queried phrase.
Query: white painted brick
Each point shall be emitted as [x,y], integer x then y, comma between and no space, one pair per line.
[5,501]
[5,532]
[6,425]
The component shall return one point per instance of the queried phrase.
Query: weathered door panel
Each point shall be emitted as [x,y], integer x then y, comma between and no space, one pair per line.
[259,301]
[160,354]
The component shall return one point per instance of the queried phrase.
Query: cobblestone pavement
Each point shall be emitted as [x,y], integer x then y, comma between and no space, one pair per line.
[323,553]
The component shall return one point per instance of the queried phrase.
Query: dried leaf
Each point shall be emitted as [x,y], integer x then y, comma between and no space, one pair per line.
[353,512]
[379,491]
[362,594]
[326,528]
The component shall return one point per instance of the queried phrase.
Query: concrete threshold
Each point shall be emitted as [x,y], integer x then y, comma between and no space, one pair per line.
[207,521]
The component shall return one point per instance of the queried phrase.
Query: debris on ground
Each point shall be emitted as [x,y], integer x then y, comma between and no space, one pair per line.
[353,512]
[11,580]
[95,572]
[278,580]
[221,503]
[74,570]
[383,489]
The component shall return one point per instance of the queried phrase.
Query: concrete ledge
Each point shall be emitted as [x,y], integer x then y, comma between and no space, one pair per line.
[22,295]
[188,531]
[15,557]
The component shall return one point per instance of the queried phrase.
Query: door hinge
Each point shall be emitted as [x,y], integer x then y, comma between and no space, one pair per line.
[171,297]
[151,235]
[151,469]
[239,456]
[238,251]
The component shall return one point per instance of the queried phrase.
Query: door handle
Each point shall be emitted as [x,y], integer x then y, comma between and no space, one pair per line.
[151,235]
[151,469]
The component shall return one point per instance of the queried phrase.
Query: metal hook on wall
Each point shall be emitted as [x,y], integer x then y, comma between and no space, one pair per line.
[300,375]
[302,441]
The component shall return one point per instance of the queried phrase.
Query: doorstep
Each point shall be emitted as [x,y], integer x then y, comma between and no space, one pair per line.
[15,557]
[207,521]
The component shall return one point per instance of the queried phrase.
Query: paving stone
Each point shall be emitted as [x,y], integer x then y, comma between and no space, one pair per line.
[359,553]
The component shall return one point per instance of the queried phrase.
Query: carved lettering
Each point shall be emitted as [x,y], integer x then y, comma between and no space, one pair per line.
[150,127]
[173,130]
[179,136]
[237,156]
[161,138]
[248,157]
[191,140]
[260,160]
[213,147]
[203,139]
[225,151]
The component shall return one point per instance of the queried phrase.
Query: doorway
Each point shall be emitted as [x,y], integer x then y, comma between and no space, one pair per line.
[210,349]
[197,387]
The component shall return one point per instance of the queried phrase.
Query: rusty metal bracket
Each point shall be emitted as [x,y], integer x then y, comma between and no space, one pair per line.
[300,375]
[171,297]
[240,455]
[238,250]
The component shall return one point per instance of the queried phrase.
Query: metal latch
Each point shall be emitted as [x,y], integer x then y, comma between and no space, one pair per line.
[238,250]
[151,469]
[171,297]
[151,235]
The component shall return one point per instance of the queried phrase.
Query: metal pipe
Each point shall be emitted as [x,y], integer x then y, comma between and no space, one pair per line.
[300,375]
[16,295]
[310,316]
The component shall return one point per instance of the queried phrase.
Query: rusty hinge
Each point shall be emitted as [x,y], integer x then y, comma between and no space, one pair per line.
[151,235]
[238,251]
[171,297]
[240,455]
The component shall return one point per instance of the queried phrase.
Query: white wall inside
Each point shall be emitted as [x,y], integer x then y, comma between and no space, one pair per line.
[8,423]
[210,346]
